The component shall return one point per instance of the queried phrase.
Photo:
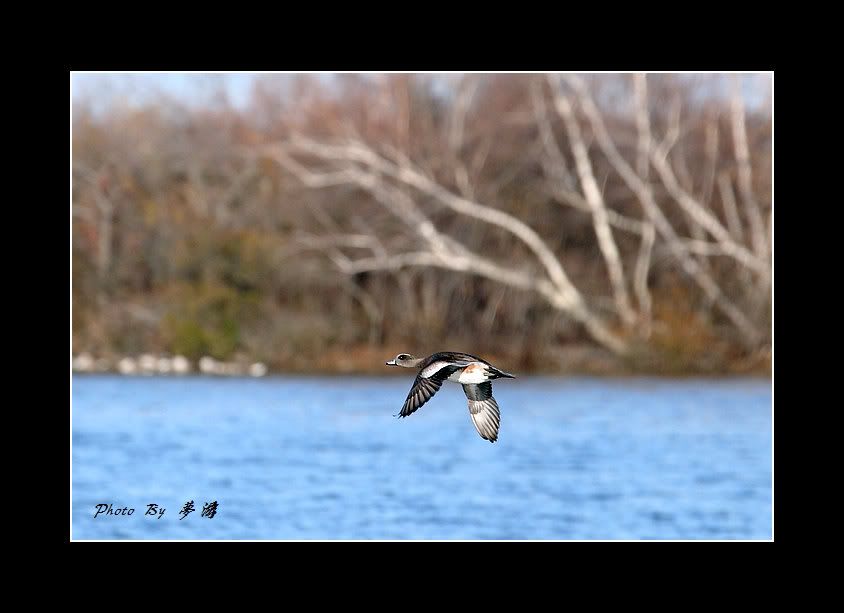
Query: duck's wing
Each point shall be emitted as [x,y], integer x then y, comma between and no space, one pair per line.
[483,409]
[427,383]
[453,357]
[442,369]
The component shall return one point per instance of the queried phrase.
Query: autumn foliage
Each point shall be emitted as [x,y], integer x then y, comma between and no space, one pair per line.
[196,232]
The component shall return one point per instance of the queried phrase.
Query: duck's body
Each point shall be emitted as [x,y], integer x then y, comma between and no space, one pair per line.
[472,372]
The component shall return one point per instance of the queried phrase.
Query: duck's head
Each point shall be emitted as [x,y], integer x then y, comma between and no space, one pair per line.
[404,359]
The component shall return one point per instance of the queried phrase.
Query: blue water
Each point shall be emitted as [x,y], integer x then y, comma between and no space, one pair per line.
[324,458]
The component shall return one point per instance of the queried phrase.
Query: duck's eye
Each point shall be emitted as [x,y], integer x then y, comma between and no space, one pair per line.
[403,356]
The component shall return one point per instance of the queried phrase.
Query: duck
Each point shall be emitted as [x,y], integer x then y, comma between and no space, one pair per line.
[474,373]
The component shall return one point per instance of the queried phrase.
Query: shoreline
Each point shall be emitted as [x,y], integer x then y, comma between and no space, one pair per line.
[398,376]
[570,361]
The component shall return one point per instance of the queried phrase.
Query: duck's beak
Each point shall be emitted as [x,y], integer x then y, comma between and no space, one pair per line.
[391,362]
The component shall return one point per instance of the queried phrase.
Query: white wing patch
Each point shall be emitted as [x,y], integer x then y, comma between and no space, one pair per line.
[432,369]
[474,373]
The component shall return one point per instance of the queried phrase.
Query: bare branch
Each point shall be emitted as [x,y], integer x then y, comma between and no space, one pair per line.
[373,313]
[745,178]
[491,310]
[575,200]
[643,125]
[634,226]
[553,161]
[306,176]
[359,152]
[465,93]
[661,223]
[640,277]
[643,149]
[480,157]
[595,200]
[511,171]
[711,147]
[728,199]
[698,213]
[357,241]
[442,252]
[104,221]
[705,219]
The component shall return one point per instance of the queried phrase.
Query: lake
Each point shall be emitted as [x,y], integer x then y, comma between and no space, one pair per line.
[325,458]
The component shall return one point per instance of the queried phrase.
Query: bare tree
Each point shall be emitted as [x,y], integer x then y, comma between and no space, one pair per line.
[394,183]
[387,209]
[595,201]
[638,182]
[400,186]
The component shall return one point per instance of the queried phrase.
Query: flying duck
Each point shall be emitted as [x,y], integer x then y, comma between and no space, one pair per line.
[474,373]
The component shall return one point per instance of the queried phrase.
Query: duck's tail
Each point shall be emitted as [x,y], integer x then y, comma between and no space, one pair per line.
[500,374]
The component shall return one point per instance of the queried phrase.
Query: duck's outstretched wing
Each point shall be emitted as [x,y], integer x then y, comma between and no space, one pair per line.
[427,383]
[483,409]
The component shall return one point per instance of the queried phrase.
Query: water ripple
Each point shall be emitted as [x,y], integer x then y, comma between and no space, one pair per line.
[323,458]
